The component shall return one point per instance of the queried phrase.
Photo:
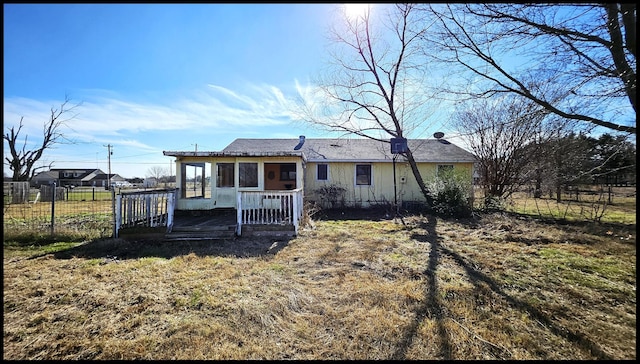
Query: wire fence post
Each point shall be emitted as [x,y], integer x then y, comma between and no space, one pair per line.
[113,212]
[53,208]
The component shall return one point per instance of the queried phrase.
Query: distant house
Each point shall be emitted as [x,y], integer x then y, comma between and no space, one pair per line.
[351,172]
[102,180]
[66,177]
[136,181]
[150,182]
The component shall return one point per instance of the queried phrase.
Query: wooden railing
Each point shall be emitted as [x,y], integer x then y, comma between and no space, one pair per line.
[269,208]
[144,209]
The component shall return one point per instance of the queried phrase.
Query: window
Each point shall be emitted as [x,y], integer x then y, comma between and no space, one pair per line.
[196,180]
[322,172]
[248,174]
[363,174]
[444,169]
[225,175]
[288,172]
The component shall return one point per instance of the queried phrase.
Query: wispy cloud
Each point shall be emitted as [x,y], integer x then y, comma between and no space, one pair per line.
[148,126]
[110,115]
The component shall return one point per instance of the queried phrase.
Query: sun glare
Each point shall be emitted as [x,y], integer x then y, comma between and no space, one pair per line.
[355,10]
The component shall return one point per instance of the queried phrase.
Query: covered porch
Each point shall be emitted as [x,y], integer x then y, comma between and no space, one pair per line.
[212,180]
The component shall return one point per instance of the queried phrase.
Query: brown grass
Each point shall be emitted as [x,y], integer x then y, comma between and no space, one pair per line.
[497,286]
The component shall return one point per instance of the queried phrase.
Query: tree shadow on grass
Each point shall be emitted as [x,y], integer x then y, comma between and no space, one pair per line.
[376,213]
[120,249]
[434,309]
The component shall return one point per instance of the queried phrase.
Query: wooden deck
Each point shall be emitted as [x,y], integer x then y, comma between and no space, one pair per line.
[273,213]
[219,224]
[198,225]
[201,219]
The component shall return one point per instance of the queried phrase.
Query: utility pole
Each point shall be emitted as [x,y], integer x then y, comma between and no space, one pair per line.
[109,153]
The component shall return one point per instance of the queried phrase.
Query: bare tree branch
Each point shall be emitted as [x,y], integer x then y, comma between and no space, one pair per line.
[374,90]
[22,161]
[587,52]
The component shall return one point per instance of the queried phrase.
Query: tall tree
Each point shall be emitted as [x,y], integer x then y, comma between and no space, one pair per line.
[373,87]
[569,161]
[502,134]
[615,160]
[22,159]
[585,52]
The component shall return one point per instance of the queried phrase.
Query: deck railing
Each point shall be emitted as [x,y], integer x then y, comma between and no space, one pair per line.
[269,208]
[144,209]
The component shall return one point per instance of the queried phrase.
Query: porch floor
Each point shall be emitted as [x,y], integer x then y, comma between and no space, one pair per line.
[195,219]
[218,224]
[213,224]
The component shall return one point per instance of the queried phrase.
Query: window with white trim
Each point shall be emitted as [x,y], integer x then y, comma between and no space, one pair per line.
[322,172]
[444,168]
[363,175]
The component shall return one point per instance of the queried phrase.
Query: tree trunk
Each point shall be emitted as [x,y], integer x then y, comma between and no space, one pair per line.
[537,192]
[418,177]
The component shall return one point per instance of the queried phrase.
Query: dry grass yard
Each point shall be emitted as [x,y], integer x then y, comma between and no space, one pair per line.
[496,286]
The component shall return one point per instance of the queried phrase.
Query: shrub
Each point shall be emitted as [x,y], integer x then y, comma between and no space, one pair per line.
[330,195]
[450,194]
[494,203]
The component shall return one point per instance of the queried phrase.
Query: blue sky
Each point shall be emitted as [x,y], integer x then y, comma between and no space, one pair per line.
[154,77]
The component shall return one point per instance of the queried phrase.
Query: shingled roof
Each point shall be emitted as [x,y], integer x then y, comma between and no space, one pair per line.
[354,150]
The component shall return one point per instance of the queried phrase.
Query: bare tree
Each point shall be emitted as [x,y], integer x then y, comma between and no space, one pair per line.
[22,160]
[503,135]
[157,172]
[586,52]
[373,88]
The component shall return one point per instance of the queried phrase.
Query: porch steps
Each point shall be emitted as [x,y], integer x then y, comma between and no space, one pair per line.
[272,230]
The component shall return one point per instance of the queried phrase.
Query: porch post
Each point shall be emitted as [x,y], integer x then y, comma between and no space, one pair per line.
[118,216]
[295,211]
[171,205]
[239,214]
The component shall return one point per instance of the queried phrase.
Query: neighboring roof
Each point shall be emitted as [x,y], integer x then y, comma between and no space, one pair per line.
[46,175]
[104,176]
[87,175]
[84,173]
[340,150]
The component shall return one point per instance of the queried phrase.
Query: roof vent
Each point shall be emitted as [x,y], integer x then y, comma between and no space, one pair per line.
[438,135]
[299,143]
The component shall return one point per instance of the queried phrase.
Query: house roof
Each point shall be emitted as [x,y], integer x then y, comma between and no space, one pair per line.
[84,174]
[341,150]
[46,175]
[234,154]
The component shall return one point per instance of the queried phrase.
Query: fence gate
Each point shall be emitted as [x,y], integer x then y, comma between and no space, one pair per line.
[46,193]
[19,192]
